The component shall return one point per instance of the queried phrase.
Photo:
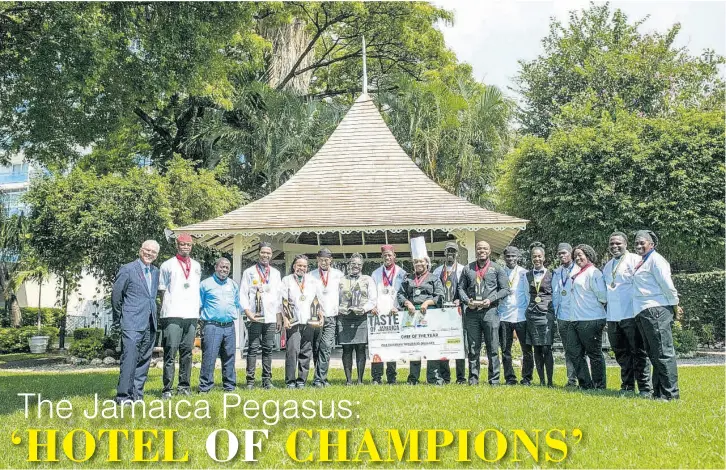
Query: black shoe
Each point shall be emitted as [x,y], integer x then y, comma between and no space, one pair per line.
[204,392]
[300,385]
[473,382]
[571,385]
[645,394]
[268,386]
[411,382]
[183,391]
[511,382]
[461,382]
[318,384]
[349,384]
[166,396]
[292,386]
[376,382]
[526,383]
[250,385]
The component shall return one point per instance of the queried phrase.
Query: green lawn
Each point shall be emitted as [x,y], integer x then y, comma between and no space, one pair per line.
[617,431]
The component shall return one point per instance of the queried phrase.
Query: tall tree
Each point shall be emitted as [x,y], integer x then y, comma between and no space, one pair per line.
[599,61]
[13,237]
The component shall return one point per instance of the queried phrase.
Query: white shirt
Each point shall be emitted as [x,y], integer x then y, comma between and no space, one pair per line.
[561,303]
[588,293]
[181,295]
[620,297]
[331,294]
[252,283]
[290,290]
[385,302]
[652,284]
[513,307]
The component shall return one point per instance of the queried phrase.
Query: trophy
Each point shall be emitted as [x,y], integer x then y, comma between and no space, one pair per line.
[258,315]
[355,301]
[449,293]
[316,313]
[288,312]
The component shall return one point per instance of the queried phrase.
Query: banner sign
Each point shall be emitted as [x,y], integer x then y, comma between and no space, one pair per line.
[404,337]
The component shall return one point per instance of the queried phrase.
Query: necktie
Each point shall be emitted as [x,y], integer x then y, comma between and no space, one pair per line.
[147,274]
[538,272]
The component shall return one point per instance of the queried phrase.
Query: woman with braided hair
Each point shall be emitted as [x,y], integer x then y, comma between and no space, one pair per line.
[540,313]
[588,291]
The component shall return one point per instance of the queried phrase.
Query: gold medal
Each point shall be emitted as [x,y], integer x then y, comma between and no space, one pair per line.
[448,284]
[302,298]
[612,284]
[417,292]
[564,292]
[538,299]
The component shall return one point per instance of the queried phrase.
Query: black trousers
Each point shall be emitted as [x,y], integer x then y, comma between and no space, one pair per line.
[432,372]
[360,361]
[655,327]
[483,323]
[585,338]
[627,344]
[506,339]
[178,337]
[323,342]
[298,353]
[564,328]
[261,337]
[377,372]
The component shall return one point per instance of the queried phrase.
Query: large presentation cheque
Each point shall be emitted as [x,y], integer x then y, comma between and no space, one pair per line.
[403,337]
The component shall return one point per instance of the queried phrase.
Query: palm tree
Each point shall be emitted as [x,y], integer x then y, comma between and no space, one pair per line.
[31,270]
[13,237]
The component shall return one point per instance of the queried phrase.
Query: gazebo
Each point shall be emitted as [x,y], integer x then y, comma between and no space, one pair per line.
[359,191]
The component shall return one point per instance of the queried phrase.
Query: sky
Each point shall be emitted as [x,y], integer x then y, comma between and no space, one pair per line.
[493,35]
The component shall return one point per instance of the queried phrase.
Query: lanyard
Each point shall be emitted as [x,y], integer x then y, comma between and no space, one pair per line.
[324,278]
[264,276]
[386,280]
[564,278]
[418,280]
[645,258]
[483,272]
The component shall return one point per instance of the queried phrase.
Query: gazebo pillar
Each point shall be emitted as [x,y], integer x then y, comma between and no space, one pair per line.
[470,242]
[239,325]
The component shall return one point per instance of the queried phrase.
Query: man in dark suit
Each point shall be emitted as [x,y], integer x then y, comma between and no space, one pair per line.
[134,309]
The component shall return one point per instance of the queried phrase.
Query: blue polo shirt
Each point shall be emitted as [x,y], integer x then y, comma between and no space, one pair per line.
[220,299]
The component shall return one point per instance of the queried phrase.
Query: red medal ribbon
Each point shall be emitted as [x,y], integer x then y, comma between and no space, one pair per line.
[584,268]
[264,276]
[186,264]
[324,278]
[483,272]
[386,280]
[418,280]
[645,258]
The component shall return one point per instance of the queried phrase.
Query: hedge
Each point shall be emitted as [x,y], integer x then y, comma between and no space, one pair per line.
[702,298]
[16,339]
[83,333]
[49,316]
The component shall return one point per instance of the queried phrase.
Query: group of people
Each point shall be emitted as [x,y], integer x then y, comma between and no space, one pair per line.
[633,295]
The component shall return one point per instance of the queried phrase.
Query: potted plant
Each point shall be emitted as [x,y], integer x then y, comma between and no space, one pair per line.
[39,342]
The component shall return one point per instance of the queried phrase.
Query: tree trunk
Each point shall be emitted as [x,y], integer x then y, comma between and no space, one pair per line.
[40,291]
[17,317]
[288,40]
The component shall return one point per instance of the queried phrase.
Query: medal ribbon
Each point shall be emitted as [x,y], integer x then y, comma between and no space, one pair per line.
[480,273]
[537,284]
[615,269]
[301,286]
[564,278]
[645,258]
[386,280]
[186,265]
[264,276]
[511,278]
[418,280]
[584,268]
[324,278]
